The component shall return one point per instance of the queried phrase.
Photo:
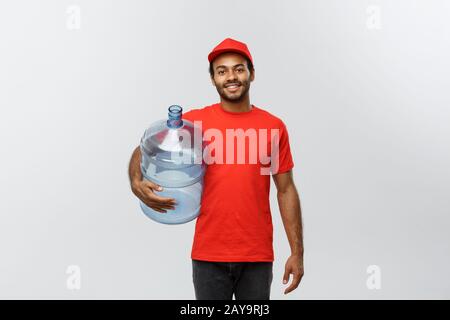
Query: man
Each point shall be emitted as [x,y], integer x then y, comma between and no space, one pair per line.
[232,252]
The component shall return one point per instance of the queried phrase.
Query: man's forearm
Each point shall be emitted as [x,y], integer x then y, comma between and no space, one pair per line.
[289,203]
[134,170]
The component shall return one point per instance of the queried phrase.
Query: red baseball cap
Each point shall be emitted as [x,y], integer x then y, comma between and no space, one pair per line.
[230,45]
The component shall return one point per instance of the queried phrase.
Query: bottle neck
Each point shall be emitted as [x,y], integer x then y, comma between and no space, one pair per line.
[175,113]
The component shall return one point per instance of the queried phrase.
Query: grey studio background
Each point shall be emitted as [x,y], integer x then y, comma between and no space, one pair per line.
[361,85]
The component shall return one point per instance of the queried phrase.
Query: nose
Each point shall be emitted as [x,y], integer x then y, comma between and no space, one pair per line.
[231,76]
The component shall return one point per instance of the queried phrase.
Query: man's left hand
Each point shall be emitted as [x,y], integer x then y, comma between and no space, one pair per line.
[294,265]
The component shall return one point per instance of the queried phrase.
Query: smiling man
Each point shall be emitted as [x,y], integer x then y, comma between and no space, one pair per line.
[232,251]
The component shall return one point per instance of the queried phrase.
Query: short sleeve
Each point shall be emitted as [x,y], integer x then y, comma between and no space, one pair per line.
[285,161]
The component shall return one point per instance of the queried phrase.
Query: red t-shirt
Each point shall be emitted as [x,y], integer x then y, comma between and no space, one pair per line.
[235,222]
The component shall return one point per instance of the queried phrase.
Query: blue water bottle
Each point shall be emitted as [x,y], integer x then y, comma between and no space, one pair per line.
[172,156]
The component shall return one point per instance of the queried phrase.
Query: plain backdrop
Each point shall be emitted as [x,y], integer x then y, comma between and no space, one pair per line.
[362,87]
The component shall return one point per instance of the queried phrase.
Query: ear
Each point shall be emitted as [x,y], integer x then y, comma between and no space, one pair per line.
[252,76]
[212,81]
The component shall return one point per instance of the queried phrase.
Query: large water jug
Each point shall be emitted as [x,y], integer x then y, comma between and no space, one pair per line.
[172,156]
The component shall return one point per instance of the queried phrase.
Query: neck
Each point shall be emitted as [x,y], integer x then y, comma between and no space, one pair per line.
[236,106]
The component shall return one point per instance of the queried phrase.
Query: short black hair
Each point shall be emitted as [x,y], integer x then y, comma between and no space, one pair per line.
[249,65]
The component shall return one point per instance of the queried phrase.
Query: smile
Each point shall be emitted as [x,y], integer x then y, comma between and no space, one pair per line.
[232,87]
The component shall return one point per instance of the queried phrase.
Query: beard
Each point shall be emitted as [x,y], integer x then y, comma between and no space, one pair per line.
[234,96]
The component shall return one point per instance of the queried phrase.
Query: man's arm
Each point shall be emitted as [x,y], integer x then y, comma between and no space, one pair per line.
[289,204]
[134,170]
[143,189]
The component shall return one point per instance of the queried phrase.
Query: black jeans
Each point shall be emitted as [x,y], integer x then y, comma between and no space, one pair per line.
[220,280]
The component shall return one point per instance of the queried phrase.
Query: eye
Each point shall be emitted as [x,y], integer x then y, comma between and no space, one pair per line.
[240,70]
[220,72]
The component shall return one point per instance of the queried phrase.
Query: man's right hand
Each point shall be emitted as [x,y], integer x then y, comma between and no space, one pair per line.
[143,189]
